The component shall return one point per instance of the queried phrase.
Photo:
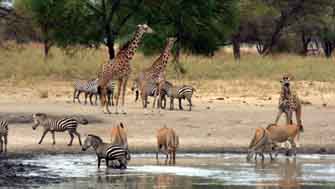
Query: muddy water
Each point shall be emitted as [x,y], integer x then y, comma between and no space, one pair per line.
[190,171]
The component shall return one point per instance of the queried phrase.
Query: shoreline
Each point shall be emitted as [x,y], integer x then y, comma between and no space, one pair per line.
[149,150]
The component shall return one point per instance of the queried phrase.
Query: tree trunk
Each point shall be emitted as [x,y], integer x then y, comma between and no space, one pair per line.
[47,47]
[111,50]
[328,48]
[236,47]
[176,58]
[280,24]
[46,41]
[305,41]
[110,41]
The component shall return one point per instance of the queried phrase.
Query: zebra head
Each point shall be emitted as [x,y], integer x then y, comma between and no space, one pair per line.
[38,118]
[91,141]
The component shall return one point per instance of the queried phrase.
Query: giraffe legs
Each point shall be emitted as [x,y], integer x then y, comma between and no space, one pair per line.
[103,100]
[118,96]
[124,87]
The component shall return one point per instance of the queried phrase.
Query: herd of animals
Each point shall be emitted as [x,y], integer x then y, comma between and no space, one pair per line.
[152,82]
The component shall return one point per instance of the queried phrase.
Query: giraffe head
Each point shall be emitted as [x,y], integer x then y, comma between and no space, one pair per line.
[145,28]
[285,82]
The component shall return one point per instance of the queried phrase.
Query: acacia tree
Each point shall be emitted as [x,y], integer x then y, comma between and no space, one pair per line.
[200,27]
[68,23]
[265,22]
[95,22]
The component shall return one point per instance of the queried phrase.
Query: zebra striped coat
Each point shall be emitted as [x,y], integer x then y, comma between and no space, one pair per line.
[150,89]
[91,88]
[179,92]
[107,151]
[57,125]
[3,135]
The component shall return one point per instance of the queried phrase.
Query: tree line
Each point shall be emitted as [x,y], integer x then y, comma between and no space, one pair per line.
[201,27]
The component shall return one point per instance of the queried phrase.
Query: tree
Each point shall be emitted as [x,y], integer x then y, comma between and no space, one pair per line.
[95,22]
[200,27]
[15,26]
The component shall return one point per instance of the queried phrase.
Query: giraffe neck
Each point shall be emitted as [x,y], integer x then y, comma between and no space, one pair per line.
[134,44]
[163,59]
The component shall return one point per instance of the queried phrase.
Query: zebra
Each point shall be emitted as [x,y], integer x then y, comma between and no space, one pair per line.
[110,93]
[179,92]
[107,151]
[91,88]
[57,125]
[85,86]
[3,134]
[150,89]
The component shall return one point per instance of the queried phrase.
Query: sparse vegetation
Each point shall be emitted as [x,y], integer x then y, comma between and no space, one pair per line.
[28,64]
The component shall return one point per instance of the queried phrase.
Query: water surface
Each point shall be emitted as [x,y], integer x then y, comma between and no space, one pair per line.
[190,171]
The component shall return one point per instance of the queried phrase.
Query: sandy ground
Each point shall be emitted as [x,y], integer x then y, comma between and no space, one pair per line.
[213,125]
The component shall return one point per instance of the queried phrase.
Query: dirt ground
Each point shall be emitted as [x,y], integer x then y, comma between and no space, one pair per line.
[216,124]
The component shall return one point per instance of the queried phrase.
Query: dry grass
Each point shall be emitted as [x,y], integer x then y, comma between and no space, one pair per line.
[29,64]
[254,75]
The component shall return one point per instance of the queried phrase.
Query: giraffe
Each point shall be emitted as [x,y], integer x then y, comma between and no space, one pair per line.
[156,72]
[119,68]
[289,102]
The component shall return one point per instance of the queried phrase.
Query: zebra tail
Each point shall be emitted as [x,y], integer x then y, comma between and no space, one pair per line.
[136,95]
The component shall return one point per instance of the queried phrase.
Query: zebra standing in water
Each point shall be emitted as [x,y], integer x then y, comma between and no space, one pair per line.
[91,88]
[107,151]
[3,134]
[57,125]
[179,92]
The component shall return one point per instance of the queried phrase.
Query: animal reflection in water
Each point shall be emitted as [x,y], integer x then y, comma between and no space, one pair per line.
[288,172]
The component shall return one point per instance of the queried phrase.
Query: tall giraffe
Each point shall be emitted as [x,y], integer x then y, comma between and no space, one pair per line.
[120,68]
[154,73]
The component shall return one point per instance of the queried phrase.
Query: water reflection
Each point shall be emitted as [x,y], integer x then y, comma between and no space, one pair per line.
[193,171]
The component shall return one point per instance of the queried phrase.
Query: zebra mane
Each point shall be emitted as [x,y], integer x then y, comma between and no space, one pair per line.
[41,115]
[96,137]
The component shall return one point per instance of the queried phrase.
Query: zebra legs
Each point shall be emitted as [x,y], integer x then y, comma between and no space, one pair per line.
[86,94]
[190,103]
[1,144]
[74,95]
[107,161]
[78,96]
[5,141]
[171,103]
[43,135]
[78,135]
[180,105]
[99,160]
[53,138]
[71,140]
[72,133]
